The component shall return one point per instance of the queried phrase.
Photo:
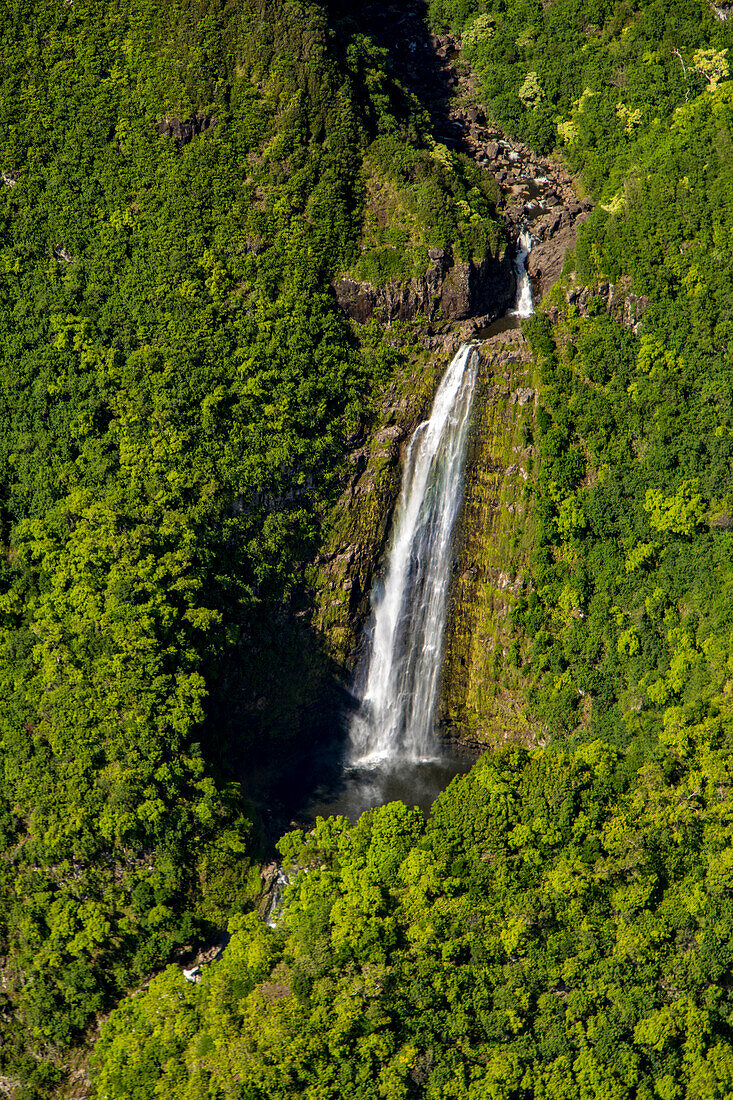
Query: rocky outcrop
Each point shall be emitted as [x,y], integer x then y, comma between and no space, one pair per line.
[184,130]
[453,292]
[555,233]
[722,11]
[618,299]
[61,253]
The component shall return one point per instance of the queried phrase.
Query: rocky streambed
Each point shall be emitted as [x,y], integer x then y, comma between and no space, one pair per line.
[459,299]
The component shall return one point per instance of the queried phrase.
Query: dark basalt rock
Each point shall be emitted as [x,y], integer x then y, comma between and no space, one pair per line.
[183,131]
[454,292]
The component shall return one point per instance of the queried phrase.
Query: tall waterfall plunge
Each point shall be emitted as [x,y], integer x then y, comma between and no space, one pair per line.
[396,715]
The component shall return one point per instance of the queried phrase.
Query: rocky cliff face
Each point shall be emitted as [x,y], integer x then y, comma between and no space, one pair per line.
[452,291]
[482,689]
[618,299]
[344,574]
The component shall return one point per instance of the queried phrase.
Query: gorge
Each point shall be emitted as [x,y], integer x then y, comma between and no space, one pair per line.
[365,573]
[394,748]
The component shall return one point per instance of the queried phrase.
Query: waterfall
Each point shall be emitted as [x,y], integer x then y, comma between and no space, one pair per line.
[524,306]
[396,714]
[272,912]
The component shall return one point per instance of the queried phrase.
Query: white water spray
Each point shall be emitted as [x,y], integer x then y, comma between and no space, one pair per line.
[524,306]
[396,717]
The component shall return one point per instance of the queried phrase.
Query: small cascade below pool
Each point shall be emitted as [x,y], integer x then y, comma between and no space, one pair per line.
[396,715]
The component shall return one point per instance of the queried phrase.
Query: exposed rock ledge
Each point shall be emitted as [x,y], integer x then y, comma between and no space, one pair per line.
[459,291]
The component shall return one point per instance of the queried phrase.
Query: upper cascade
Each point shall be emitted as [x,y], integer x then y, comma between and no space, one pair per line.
[395,719]
[525,305]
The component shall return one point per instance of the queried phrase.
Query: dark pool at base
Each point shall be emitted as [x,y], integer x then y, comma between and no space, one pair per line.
[291,791]
[507,323]
[415,784]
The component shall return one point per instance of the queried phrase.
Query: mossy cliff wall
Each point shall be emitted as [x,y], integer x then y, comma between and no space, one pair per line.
[358,526]
[483,688]
[483,693]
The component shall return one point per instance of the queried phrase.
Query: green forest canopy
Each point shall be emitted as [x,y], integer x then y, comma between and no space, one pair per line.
[561,926]
[181,184]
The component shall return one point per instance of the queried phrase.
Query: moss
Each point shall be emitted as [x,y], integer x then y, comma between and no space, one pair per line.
[485,675]
[357,528]
[484,683]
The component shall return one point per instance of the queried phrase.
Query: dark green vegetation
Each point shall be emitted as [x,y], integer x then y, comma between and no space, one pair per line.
[181,184]
[558,930]
[588,76]
[422,198]
[181,181]
[562,925]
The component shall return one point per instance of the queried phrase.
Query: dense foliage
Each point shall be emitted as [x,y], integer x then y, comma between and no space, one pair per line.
[633,608]
[561,925]
[180,183]
[589,76]
[559,929]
